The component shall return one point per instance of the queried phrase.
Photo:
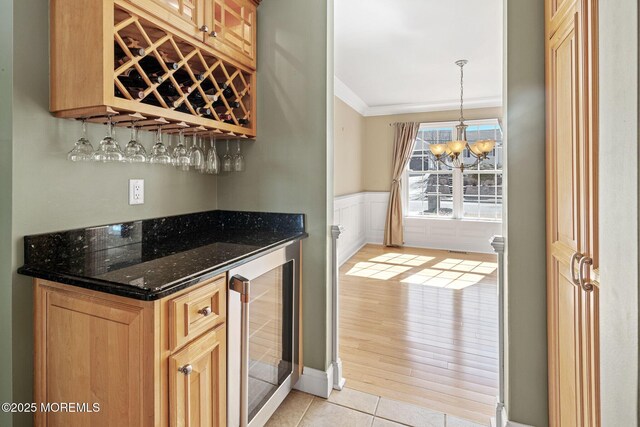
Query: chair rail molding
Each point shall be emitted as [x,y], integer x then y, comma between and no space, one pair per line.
[363,217]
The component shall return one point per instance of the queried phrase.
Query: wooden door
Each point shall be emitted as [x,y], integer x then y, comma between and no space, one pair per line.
[571,221]
[198,387]
[90,351]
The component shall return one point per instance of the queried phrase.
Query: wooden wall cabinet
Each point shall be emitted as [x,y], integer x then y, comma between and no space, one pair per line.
[88,79]
[92,347]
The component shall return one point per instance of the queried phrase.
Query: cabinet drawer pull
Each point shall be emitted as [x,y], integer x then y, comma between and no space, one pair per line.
[205,311]
[186,369]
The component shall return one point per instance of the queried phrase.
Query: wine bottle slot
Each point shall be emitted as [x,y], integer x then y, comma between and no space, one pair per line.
[134,77]
[150,64]
[118,52]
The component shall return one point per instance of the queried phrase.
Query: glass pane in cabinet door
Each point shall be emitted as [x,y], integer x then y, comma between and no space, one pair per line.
[270,334]
[173,4]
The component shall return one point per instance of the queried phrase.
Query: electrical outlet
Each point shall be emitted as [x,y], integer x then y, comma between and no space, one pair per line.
[136,191]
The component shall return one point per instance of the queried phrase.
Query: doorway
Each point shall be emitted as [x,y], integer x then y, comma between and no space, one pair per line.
[418,324]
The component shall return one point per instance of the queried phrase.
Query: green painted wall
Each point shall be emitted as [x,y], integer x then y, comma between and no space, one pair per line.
[287,165]
[619,235]
[6,76]
[51,193]
[526,348]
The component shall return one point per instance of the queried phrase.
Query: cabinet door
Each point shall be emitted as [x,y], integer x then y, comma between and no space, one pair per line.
[234,23]
[89,351]
[565,224]
[572,310]
[198,387]
[185,15]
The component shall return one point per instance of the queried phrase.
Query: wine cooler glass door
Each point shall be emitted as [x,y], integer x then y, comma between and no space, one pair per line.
[270,334]
[263,360]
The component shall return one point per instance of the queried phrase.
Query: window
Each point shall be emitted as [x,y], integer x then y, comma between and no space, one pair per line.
[437,190]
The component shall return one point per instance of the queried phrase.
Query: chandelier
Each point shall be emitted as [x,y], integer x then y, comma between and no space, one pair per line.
[450,153]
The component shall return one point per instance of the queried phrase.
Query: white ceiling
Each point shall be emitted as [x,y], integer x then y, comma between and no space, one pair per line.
[395,56]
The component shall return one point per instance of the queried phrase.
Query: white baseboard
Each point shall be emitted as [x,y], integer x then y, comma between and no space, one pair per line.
[344,257]
[316,382]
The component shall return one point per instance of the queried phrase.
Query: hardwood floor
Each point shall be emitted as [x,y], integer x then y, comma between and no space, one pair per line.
[420,326]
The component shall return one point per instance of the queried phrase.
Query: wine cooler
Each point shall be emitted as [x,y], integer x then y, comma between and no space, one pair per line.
[263,332]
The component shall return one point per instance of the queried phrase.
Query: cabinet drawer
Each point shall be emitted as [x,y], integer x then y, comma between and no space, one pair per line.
[196,312]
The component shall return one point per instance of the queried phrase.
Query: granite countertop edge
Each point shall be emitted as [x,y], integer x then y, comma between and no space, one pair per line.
[119,289]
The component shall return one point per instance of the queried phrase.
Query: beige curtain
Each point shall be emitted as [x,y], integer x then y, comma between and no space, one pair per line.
[404,139]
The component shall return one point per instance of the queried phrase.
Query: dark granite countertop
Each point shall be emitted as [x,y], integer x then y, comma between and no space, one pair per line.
[149,259]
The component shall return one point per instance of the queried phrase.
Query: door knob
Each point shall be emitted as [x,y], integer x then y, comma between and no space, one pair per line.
[576,256]
[585,261]
[186,369]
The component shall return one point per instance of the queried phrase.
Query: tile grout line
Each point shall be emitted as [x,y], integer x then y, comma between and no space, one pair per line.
[306,410]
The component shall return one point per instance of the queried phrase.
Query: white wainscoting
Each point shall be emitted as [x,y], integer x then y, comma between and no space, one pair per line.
[363,216]
[349,212]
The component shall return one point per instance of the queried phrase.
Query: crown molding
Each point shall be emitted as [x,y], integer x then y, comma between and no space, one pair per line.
[345,93]
[349,97]
[387,110]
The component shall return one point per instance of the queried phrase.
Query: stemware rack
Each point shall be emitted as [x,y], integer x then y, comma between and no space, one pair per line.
[87,77]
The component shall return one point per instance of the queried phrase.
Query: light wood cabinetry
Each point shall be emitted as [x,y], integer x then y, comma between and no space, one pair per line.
[127,356]
[572,250]
[197,388]
[187,76]
[234,24]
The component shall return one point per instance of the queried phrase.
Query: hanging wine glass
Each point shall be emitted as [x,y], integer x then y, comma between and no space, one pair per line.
[180,156]
[196,156]
[213,161]
[238,159]
[227,162]
[83,150]
[134,152]
[159,153]
[109,150]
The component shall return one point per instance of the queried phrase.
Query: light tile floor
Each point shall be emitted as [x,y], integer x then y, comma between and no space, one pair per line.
[353,408]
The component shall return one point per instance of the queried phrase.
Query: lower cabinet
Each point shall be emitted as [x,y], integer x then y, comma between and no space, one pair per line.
[197,388]
[108,360]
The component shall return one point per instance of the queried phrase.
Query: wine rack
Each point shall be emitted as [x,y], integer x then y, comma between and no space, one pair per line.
[144,69]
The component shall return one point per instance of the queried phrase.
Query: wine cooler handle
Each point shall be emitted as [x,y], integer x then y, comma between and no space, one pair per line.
[576,256]
[241,285]
[584,262]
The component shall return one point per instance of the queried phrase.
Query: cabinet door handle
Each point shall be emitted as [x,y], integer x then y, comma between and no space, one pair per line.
[213,34]
[576,256]
[584,262]
[204,29]
[186,369]
[205,311]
